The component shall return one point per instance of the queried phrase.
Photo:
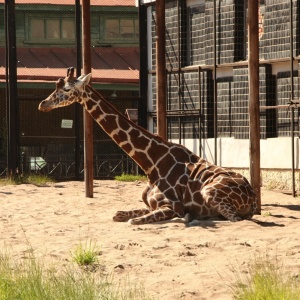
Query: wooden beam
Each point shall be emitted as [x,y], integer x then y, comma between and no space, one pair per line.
[88,120]
[161,87]
[279,106]
[11,90]
[254,128]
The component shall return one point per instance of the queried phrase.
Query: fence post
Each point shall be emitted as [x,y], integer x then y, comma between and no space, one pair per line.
[254,122]
[88,120]
[161,85]
[11,90]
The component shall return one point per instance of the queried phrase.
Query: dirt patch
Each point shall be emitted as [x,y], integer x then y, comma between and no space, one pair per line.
[171,259]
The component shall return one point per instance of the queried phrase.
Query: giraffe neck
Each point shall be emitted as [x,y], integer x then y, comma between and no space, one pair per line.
[145,148]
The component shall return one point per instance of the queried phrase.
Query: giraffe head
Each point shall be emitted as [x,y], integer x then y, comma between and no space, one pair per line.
[67,91]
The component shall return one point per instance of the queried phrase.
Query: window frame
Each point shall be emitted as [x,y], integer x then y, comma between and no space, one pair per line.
[103,39]
[42,41]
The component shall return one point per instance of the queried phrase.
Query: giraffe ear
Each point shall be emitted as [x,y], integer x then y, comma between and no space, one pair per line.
[83,80]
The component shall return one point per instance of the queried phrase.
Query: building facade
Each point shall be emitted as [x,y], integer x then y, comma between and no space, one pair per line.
[46,46]
[192,119]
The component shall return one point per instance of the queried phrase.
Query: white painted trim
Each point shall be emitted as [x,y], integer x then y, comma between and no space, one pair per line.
[275,153]
[147,1]
[191,3]
[283,67]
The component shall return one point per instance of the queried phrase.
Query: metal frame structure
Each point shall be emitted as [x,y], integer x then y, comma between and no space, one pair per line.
[253,88]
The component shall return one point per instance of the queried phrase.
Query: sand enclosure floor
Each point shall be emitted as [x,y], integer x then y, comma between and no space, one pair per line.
[171,260]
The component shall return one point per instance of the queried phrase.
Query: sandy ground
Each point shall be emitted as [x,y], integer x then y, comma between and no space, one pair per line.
[171,259]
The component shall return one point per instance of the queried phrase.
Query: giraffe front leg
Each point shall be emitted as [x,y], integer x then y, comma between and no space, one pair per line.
[124,216]
[158,215]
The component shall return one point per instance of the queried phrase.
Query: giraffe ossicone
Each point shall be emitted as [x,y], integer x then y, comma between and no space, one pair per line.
[180,183]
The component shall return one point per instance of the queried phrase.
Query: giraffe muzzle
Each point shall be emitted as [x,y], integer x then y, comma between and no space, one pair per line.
[44,107]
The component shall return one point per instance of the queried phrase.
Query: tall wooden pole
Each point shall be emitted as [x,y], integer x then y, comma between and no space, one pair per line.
[254,128]
[88,121]
[161,86]
[215,82]
[11,90]
[292,98]
[78,107]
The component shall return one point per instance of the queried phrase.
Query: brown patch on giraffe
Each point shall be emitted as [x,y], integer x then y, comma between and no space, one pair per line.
[157,150]
[221,193]
[153,176]
[96,113]
[165,165]
[184,155]
[123,123]
[140,141]
[127,147]
[84,95]
[163,185]
[90,104]
[142,159]
[120,137]
[177,169]
[109,123]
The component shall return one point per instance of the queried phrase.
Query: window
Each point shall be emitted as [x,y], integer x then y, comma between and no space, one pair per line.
[196,44]
[51,29]
[121,29]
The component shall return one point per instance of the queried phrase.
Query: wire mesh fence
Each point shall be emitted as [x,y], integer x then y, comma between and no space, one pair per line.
[46,45]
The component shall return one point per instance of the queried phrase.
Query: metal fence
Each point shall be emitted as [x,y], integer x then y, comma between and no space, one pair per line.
[46,39]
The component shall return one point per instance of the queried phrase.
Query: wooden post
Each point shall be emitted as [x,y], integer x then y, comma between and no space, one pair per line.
[11,90]
[161,87]
[88,120]
[78,107]
[254,128]
[292,98]
[215,82]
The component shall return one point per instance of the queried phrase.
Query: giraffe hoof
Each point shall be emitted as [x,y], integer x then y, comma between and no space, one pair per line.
[134,222]
[236,219]
[121,216]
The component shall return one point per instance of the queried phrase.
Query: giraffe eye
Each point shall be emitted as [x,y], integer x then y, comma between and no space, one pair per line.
[67,89]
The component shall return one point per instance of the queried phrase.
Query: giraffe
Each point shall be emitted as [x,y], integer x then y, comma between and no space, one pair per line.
[180,183]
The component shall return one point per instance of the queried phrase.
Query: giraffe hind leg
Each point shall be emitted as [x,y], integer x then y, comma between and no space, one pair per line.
[124,216]
[230,212]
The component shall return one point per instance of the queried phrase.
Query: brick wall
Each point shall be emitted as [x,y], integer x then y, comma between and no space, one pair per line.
[196,48]
[275,42]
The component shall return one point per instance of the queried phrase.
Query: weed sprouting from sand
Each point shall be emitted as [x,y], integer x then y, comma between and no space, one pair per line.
[29,279]
[266,279]
[85,254]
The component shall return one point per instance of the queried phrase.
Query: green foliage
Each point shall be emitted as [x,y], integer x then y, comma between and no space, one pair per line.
[29,280]
[85,255]
[266,280]
[36,179]
[130,177]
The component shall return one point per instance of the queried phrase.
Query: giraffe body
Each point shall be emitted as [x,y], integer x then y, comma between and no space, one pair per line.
[180,183]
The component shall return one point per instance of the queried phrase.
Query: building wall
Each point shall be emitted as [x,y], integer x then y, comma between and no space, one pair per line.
[191,86]
[25,13]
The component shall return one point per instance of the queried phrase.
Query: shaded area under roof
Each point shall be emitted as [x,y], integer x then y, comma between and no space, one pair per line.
[109,65]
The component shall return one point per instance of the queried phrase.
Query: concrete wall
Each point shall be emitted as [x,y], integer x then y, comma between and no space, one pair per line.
[234,153]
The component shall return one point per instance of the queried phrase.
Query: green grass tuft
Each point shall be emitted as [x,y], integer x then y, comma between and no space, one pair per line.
[36,179]
[130,178]
[29,280]
[265,279]
[85,255]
